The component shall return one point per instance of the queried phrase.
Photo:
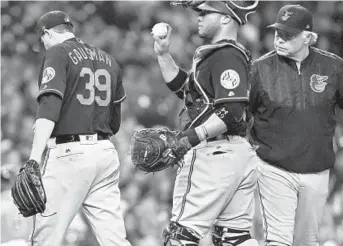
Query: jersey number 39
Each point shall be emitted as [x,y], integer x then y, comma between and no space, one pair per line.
[94,84]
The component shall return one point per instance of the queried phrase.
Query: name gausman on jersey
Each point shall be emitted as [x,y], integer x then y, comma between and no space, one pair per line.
[79,54]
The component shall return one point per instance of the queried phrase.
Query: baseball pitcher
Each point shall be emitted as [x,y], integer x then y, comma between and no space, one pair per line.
[216,183]
[80,91]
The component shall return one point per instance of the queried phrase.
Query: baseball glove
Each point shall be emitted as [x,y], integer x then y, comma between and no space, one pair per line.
[153,150]
[28,192]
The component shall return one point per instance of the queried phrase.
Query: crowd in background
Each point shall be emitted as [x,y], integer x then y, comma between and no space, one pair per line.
[123,30]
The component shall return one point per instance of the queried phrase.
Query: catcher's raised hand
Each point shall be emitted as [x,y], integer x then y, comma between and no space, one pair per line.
[28,192]
[161,33]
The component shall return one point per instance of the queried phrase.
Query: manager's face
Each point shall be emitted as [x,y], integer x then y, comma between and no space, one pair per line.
[288,44]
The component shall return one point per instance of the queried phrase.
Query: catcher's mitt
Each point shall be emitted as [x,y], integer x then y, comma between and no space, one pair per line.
[28,192]
[153,150]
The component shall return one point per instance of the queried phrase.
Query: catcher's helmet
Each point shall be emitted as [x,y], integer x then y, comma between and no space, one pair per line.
[239,10]
[49,20]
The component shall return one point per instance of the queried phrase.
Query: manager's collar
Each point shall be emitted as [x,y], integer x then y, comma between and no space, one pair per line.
[306,61]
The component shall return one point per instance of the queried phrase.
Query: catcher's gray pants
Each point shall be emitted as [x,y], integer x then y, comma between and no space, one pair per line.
[216,186]
[81,174]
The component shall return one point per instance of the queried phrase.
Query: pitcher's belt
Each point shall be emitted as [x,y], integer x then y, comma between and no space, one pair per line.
[75,138]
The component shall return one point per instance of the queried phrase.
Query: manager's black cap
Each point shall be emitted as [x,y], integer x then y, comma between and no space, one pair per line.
[293,19]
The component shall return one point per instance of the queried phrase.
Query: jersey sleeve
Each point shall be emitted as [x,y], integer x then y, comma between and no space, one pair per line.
[118,92]
[177,85]
[230,75]
[53,74]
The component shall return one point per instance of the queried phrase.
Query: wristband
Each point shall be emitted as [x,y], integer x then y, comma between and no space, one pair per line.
[201,132]
[192,136]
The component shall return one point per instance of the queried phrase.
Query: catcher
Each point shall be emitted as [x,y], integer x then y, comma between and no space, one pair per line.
[216,183]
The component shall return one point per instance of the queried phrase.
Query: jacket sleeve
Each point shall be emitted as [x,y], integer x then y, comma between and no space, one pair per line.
[254,94]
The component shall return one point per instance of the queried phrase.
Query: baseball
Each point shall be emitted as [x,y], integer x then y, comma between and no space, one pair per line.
[160,30]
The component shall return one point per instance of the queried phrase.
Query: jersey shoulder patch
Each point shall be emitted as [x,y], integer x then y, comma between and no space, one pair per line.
[229,79]
[48,74]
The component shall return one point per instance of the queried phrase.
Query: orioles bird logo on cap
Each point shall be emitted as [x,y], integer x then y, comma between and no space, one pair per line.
[286,15]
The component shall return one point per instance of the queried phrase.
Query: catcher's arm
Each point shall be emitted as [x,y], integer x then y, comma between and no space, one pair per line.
[189,138]
[212,127]
[153,150]
[168,67]
[172,74]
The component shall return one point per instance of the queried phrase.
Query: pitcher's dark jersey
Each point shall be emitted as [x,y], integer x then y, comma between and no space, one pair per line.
[88,80]
[293,109]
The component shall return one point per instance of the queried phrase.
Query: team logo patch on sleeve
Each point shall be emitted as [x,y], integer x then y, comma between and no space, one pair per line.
[229,79]
[48,74]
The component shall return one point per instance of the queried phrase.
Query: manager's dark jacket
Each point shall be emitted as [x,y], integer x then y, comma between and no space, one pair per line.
[293,109]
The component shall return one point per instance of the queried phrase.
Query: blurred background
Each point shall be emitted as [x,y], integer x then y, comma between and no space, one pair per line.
[123,30]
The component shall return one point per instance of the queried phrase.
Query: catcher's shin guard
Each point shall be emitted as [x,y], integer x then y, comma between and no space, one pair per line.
[222,236]
[177,235]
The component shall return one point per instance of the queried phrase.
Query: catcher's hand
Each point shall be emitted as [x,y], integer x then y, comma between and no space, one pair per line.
[162,44]
[153,150]
[28,192]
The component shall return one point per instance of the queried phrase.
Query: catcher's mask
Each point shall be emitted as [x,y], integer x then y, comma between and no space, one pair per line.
[239,10]
[47,21]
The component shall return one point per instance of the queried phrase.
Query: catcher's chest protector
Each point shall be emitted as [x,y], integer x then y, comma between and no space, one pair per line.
[199,89]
